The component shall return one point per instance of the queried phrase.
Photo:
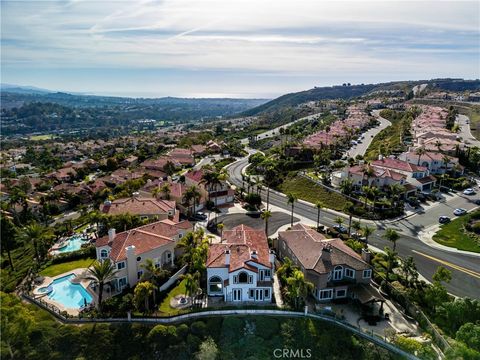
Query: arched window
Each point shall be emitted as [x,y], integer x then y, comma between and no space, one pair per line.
[215,285]
[337,273]
[243,278]
[104,254]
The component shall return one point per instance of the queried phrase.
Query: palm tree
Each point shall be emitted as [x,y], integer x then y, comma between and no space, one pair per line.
[165,189]
[7,238]
[409,271]
[291,201]
[346,187]
[142,293]
[391,260]
[191,283]
[156,191]
[37,235]
[339,220]
[356,225]
[298,287]
[102,273]
[392,235]
[420,152]
[265,216]
[319,206]
[220,228]
[155,274]
[367,231]
[348,209]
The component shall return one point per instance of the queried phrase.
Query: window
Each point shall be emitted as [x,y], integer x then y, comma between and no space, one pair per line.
[104,254]
[122,282]
[349,273]
[235,279]
[121,265]
[139,274]
[243,278]
[337,273]
[215,285]
[268,273]
[367,274]
[341,293]
[325,294]
[266,293]
[251,294]
[250,279]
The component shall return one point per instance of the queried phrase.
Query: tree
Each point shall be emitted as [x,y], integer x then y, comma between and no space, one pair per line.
[191,194]
[392,235]
[391,260]
[141,295]
[155,274]
[349,208]
[156,191]
[285,270]
[469,334]
[7,237]
[356,225]
[208,350]
[265,216]
[367,231]
[298,287]
[191,283]
[38,236]
[409,271]
[291,201]
[339,220]
[165,189]
[169,168]
[346,187]
[319,206]
[220,228]
[436,294]
[420,152]
[102,273]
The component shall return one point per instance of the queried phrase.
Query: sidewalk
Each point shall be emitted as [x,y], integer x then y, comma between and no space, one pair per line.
[426,235]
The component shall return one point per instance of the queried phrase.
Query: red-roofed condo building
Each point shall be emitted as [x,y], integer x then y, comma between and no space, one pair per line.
[241,267]
[128,250]
[336,271]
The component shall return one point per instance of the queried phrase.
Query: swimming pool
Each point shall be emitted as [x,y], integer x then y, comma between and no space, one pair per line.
[74,243]
[68,294]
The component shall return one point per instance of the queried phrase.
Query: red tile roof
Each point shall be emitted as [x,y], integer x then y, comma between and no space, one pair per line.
[138,206]
[396,164]
[195,175]
[145,238]
[241,241]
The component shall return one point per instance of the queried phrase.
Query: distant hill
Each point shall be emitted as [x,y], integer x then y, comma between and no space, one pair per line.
[353,91]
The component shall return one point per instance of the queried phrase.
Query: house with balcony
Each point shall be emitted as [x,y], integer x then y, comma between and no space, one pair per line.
[335,270]
[435,162]
[129,250]
[240,268]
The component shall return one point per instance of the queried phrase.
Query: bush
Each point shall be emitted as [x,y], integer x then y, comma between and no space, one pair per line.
[84,253]
[476,227]
[198,328]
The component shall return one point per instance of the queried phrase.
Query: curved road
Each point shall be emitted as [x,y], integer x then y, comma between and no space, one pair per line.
[465,268]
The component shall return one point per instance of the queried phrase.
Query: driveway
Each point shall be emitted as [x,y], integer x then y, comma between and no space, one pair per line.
[277,220]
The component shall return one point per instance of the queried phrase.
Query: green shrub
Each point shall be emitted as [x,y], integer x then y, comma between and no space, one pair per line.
[84,253]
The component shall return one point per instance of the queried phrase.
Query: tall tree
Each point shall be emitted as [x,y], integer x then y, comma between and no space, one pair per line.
[420,152]
[7,237]
[319,206]
[298,287]
[291,201]
[367,231]
[266,215]
[141,295]
[392,235]
[165,189]
[39,237]
[102,273]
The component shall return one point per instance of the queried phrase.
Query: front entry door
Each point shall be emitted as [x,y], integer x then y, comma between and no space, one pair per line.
[237,294]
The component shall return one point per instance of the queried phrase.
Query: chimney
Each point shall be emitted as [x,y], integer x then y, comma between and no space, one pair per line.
[326,253]
[272,257]
[227,257]
[380,157]
[131,265]
[111,234]
[366,255]
[254,254]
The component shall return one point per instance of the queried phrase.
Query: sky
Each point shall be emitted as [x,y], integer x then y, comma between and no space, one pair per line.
[233,48]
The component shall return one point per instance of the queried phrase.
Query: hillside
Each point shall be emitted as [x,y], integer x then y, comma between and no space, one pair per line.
[347,92]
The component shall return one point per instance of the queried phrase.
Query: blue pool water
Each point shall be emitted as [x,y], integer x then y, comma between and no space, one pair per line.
[74,243]
[68,294]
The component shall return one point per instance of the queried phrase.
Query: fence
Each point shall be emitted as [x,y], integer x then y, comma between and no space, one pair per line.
[209,313]
[173,278]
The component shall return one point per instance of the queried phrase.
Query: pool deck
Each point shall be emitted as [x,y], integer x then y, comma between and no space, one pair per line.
[80,272]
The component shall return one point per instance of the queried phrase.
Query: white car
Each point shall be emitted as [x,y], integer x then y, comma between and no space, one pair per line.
[469,191]
[459,212]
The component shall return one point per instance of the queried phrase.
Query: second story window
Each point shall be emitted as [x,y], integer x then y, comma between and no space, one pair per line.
[367,274]
[104,254]
[121,265]
[349,273]
[337,273]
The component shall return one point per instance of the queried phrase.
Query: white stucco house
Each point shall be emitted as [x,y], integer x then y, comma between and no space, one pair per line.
[129,250]
[241,267]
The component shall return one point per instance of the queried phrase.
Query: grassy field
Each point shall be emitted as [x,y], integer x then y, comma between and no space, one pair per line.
[57,269]
[474,116]
[165,307]
[41,137]
[309,191]
[454,235]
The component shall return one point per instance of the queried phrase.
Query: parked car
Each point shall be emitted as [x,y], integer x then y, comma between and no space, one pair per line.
[469,191]
[477,202]
[459,212]
[201,216]
[443,219]
[341,229]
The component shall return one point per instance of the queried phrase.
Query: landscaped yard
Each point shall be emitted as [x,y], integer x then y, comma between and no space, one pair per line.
[57,269]
[41,137]
[165,307]
[309,191]
[454,235]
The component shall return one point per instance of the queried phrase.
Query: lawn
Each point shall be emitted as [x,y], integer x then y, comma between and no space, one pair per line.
[454,235]
[165,307]
[41,137]
[309,191]
[57,269]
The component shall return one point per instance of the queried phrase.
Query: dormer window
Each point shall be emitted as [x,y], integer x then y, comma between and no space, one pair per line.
[104,254]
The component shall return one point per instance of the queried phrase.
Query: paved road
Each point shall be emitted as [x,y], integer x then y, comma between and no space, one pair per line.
[276,131]
[361,149]
[465,268]
[465,132]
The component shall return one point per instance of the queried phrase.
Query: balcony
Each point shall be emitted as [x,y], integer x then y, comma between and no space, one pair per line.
[265,283]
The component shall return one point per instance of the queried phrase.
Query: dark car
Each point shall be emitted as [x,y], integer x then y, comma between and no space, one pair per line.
[341,229]
[477,202]
[443,219]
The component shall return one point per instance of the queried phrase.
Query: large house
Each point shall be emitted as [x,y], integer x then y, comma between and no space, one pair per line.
[241,267]
[146,208]
[129,250]
[336,271]
[435,162]
[220,194]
